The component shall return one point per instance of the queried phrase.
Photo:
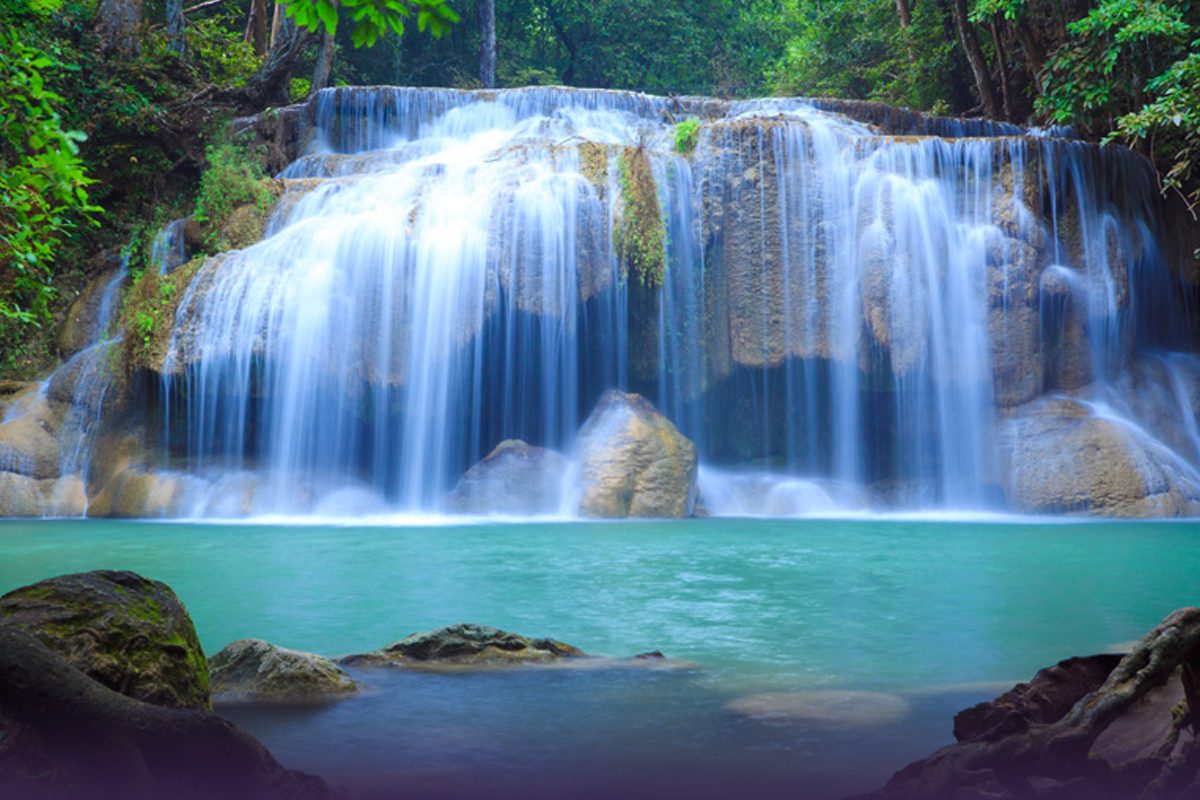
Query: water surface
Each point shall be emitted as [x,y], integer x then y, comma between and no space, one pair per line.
[934,615]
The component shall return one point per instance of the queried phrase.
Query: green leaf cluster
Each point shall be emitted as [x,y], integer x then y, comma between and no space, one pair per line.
[687,136]
[234,178]
[373,18]
[43,181]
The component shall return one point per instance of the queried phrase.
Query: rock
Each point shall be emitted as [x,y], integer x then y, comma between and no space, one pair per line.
[633,462]
[254,670]
[515,478]
[1043,700]
[20,496]
[80,328]
[64,735]
[466,645]
[64,497]
[137,492]
[129,633]
[1127,737]
[842,708]
[28,447]
[1059,457]
[243,227]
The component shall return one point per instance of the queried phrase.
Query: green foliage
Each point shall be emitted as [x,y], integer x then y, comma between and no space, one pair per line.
[640,234]
[43,180]
[687,135]
[227,60]
[234,178]
[1172,121]
[858,50]
[373,18]
[148,313]
[299,89]
[1099,71]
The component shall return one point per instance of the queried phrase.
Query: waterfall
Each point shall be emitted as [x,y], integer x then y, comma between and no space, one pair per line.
[848,299]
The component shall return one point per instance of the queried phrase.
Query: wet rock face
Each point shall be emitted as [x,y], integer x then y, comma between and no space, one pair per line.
[79,327]
[1098,727]
[28,447]
[20,496]
[258,671]
[633,462]
[515,478]
[466,645]
[1043,700]
[1058,457]
[129,633]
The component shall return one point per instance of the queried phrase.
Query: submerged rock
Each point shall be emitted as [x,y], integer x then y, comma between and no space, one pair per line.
[839,707]
[515,478]
[258,671]
[1059,456]
[1101,727]
[465,645]
[125,631]
[633,462]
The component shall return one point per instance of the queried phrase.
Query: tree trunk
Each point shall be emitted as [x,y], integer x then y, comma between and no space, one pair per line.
[176,42]
[324,65]
[269,84]
[117,22]
[1035,59]
[904,12]
[278,22]
[487,46]
[974,54]
[1005,84]
[256,26]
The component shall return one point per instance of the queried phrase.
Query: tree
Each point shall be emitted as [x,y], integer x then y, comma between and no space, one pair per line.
[176,41]
[487,46]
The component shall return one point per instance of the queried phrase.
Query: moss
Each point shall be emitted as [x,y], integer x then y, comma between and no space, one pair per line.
[639,233]
[148,315]
[687,135]
[593,163]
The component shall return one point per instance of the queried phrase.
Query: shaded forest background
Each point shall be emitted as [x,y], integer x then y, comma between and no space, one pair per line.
[112,112]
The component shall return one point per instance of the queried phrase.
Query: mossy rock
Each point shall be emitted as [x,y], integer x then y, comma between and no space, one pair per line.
[127,632]
[252,670]
[465,646]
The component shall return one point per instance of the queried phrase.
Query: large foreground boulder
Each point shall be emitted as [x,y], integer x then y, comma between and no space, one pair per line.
[68,737]
[257,671]
[1059,456]
[465,645]
[515,478]
[633,462]
[1105,727]
[129,633]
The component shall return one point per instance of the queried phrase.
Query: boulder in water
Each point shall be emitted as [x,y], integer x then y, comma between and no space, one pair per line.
[129,633]
[466,645]
[1061,456]
[258,671]
[836,707]
[633,462]
[64,734]
[1101,727]
[515,478]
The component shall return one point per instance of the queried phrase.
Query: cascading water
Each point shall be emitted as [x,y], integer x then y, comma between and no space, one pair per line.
[860,309]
